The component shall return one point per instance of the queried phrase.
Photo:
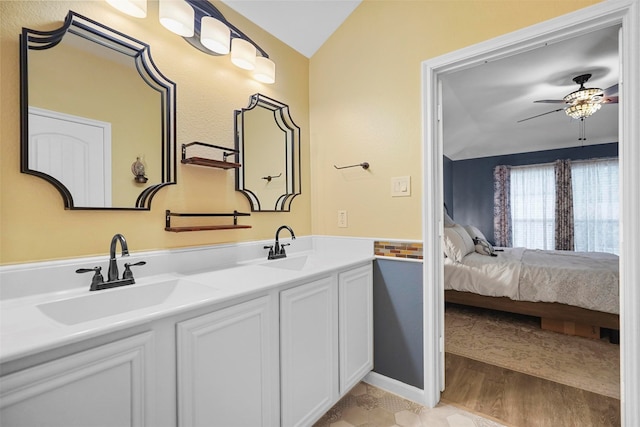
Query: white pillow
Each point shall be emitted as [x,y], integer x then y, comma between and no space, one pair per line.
[448,221]
[457,242]
[474,232]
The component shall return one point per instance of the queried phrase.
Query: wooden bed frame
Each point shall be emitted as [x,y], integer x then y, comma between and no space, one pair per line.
[555,316]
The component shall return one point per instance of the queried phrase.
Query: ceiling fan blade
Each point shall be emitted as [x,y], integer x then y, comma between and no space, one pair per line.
[610,100]
[611,90]
[552,101]
[539,115]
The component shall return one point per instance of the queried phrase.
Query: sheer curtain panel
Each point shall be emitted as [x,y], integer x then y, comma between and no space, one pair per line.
[596,205]
[533,206]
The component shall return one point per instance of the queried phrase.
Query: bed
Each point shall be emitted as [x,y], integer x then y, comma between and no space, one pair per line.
[572,292]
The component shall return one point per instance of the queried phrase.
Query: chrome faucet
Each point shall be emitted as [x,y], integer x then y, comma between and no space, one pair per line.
[113,265]
[278,251]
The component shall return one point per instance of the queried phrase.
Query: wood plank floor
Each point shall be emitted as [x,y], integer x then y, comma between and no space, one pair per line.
[523,400]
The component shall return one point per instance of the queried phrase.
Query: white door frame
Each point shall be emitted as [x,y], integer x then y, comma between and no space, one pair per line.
[601,15]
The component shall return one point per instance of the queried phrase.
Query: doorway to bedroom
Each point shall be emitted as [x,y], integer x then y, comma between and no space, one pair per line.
[443,71]
[508,174]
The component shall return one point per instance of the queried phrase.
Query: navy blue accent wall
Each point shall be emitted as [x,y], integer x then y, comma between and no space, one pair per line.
[447,172]
[472,180]
[397,321]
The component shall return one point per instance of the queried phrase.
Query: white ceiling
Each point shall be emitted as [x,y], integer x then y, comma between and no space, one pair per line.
[302,24]
[481,105]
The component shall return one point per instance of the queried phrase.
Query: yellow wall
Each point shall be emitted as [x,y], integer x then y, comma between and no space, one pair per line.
[357,99]
[34,225]
[365,102]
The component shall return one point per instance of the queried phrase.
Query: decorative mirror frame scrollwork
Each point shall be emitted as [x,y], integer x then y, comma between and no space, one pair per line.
[291,154]
[121,43]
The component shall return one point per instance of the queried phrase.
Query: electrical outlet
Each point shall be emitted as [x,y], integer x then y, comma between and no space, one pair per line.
[342,219]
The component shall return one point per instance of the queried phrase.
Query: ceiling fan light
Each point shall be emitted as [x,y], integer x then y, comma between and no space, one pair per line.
[177,16]
[243,54]
[135,8]
[581,110]
[591,95]
[265,70]
[215,35]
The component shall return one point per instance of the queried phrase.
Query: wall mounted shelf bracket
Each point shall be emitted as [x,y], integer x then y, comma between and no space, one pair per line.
[235,215]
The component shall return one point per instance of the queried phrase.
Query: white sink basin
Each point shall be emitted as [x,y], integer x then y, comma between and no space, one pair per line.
[109,302]
[296,263]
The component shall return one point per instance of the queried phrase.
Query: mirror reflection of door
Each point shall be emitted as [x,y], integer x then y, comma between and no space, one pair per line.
[86,69]
[74,150]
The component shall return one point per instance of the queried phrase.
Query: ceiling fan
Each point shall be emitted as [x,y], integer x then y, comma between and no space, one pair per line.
[583,102]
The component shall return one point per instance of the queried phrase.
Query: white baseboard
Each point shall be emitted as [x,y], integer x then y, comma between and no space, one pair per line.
[406,391]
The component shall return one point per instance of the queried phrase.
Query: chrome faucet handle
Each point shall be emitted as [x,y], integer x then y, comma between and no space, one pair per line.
[128,274]
[97,277]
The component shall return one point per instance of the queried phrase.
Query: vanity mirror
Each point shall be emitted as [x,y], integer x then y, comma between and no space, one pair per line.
[268,144]
[98,117]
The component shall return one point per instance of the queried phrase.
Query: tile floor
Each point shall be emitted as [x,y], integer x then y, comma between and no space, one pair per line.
[368,406]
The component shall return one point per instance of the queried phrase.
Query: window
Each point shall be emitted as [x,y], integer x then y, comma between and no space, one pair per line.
[596,205]
[533,206]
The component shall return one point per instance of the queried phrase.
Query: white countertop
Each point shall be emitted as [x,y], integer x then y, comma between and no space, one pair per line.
[26,330]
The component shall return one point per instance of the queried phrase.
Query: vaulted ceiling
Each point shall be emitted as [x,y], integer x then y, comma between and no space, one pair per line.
[481,105]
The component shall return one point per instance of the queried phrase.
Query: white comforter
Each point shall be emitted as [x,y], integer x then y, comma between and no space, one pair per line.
[583,279]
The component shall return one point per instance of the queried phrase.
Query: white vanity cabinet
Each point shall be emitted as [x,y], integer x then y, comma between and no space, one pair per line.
[279,355]
[326,342]
[355,314]
[308,351]
[228,367]
[109,385]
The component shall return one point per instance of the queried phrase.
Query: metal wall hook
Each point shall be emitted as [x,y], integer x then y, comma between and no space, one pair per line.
[363,165]
[270,177]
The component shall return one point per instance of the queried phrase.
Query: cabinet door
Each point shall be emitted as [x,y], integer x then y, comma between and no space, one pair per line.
[308,351]
[110,385]
[227,371]
[355,296]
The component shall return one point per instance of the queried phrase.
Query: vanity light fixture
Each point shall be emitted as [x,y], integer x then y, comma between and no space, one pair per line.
[214,35]
[205,28]
[177,17]
[135,8]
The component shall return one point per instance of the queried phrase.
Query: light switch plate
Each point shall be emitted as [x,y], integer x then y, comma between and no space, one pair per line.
[401,186]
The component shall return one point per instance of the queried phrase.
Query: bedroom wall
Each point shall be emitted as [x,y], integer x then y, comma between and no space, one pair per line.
[472,180]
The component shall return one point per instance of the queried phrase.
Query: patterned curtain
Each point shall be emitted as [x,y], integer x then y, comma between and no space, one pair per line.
[564,206]
[502,206]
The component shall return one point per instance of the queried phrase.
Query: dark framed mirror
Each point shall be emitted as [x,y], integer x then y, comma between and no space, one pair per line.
[98,116]
[268,144]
